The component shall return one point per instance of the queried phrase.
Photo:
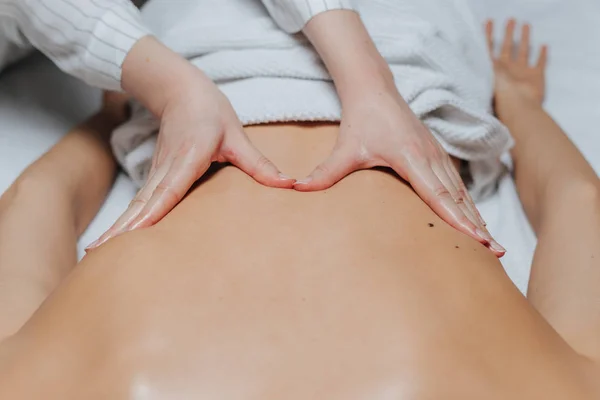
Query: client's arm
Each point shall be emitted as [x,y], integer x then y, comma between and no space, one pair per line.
[379,129]
[46,209]
[560,193]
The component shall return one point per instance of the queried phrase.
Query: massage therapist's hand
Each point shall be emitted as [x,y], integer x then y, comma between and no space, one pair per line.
[198,127]
[379,129]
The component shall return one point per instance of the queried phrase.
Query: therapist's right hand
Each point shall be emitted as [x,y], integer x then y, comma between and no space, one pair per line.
[198,127]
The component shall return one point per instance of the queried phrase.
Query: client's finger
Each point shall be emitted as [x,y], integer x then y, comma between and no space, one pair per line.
[489,34]
[340,163]
[507,44]
[523,56]
[239,151]
[135,207]
[543,59]
[182,174]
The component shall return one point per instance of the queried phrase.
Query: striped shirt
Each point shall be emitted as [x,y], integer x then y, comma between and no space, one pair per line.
[90,39]
[292,15]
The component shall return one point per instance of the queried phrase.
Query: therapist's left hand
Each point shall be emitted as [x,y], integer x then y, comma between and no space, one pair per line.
[379,129]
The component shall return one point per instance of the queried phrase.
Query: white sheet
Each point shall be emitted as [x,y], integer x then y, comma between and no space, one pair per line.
[38,104]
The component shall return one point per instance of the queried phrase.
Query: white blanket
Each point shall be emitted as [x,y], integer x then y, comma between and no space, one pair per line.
[434,47]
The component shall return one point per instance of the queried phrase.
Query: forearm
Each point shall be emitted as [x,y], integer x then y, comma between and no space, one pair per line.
[346,48]
[561,196]
[43,213]
[106,46]
[547,164]
[76,173]
[88,39]
[154,75]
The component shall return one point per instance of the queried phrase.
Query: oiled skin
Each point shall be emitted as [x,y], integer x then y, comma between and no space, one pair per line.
[247,292]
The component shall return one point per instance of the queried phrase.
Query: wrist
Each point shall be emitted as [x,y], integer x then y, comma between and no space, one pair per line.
[369,77]
[374,93]
[512,104]
[154,74]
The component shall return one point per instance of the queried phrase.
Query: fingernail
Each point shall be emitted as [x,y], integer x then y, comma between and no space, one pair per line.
[92,245]
[496,246]
[285,177]
[483,235]
[304,181]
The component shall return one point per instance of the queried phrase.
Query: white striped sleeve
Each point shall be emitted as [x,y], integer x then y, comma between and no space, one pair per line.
[88,39]
[292,15]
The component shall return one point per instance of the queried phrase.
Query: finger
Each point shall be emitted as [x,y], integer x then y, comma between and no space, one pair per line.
[184,171]
[436,195]
[338,165]
[240,152]
[463,192]
[472,210]
[133,210]
[440,171]
[543,58]
[489,34]
[460,197]
[459,201]
[507,45]
[523,56]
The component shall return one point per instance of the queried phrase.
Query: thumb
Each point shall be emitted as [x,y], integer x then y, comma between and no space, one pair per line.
[240,152]
[340,163]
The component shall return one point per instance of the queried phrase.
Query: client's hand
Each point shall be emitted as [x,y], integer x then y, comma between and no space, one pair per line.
[515,79]
[198,127]
[378,129]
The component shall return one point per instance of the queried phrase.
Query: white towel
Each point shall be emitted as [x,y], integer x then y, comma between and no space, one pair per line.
[13,46]
[435,49]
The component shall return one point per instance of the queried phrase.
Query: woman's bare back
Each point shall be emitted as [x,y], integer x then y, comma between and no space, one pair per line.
[256,293]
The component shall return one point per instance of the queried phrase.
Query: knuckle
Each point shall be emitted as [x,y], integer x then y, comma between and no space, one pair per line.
[322,169]
[263,162]
[461,196]
[166,192]
[185,146]
[416,155]
[137,200]
[442,193]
